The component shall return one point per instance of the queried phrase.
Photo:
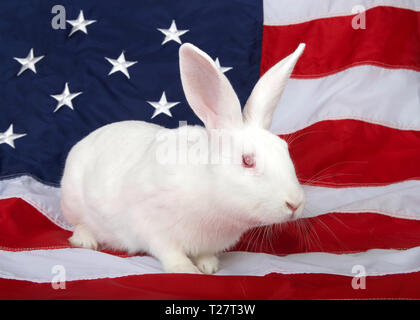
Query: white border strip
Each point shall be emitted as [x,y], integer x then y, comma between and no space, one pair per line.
[285,12]
[400,200]
[45,199]
[84,264]
[389,97]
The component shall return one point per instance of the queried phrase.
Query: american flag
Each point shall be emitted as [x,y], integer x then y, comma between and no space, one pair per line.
[351,114]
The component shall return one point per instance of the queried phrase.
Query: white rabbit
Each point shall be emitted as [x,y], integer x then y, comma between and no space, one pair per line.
[119,195]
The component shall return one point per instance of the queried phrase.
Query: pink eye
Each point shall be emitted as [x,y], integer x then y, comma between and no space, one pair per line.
[248,160]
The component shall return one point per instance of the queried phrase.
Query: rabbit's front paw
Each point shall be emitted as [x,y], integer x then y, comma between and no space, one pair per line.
[83,238]
[180,264]
[207,264]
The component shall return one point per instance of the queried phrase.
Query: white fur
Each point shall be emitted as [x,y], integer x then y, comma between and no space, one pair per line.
[118,195]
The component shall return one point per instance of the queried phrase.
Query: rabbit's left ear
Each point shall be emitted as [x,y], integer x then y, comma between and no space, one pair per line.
[208,91]
[265,96]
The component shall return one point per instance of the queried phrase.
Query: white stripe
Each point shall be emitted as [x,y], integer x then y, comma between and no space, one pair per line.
[83,264]
[399,200]
[389,97]
[284,12]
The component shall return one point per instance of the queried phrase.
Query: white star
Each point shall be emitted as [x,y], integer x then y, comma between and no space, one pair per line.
[120,65]
[222,69]
[64,99]
[28,62]
[172,34]
[80,24]
[162,106]
[8,136]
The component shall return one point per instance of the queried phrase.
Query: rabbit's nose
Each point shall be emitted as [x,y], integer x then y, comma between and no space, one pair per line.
[293,206]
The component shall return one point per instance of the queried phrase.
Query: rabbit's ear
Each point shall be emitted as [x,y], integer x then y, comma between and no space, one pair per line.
[265,96]
[208,91]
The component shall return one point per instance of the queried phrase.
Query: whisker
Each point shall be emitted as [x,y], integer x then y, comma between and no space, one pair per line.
[326,176]
[256,239]
[312,231]
[332,166]
[328,229]
[252,235]
[304,134]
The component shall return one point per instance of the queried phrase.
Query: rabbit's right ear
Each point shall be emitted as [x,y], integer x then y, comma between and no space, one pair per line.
[265,96]
[208,91]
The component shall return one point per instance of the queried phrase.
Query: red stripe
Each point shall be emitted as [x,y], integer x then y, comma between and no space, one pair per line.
[354,153]
[185,286]
[391,39]
[334,233]
[22,227]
